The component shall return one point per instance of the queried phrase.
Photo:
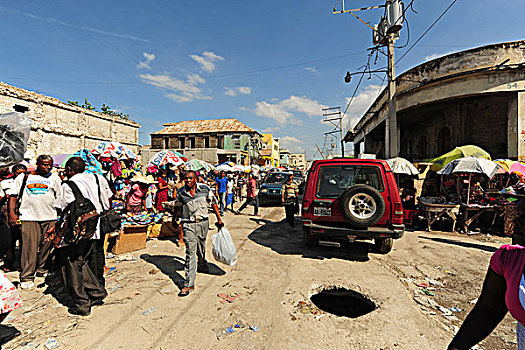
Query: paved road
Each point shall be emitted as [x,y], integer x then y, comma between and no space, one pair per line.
[275,276]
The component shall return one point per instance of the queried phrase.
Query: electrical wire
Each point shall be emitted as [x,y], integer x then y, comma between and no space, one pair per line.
[209,77]
[426,31]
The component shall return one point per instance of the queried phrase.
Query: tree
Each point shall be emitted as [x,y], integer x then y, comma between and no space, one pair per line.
[105,109]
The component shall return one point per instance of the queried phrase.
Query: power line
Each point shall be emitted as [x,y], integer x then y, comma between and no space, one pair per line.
[426,31]
[209,77]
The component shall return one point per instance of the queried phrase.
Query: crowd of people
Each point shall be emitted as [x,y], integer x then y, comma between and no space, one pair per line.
[38,216]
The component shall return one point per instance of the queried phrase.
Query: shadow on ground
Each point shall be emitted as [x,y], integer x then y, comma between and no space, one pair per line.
[170,265]
[479,246]
[287,240]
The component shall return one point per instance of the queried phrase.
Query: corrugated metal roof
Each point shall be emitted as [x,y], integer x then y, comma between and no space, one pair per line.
[204,126]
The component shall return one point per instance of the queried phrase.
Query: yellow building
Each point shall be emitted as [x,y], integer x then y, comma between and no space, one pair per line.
[270,151]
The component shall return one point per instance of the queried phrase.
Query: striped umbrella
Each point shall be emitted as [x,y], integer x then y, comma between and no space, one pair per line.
[166,157]
[197,165]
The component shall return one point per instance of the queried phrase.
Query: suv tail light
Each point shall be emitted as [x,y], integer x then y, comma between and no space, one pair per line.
[306,205]
[398,213]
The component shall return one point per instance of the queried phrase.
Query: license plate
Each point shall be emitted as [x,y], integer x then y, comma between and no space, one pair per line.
[323,211]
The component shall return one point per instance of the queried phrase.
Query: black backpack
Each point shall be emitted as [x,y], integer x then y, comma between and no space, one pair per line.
[81,218]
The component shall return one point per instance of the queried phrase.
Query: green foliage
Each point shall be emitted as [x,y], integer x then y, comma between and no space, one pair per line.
[105,109]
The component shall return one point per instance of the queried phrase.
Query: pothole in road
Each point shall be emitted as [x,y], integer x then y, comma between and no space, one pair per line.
[343,302]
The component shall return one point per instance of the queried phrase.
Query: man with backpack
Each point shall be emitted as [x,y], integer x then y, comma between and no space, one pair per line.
[31,205]
[83,197]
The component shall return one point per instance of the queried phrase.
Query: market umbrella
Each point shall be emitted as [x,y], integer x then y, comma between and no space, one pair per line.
[456,153]
[59,160]
[505,164]
[402,166]
[30,167]
[230,164]
[224,167]
[166,157]
[114,150]
[238,167]
[180,155]
[93,166]
[470,165]
[197,165]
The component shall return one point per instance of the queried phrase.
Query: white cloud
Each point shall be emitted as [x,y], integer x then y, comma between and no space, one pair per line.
[311,69]
[293,144]
[177,90]
[360,104]
[241,90]
[148,58]
[436,55]
[283,112]
[207,60]
[271,129]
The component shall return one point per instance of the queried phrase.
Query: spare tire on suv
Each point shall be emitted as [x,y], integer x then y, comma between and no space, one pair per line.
[362,205]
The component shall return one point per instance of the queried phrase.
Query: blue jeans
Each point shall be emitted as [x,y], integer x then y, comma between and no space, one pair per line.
[222,201]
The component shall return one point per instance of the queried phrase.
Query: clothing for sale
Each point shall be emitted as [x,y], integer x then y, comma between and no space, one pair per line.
[222,184]
[162,195]
[39,196]
[9,297]
[137,195]
[116,169]
[87,185]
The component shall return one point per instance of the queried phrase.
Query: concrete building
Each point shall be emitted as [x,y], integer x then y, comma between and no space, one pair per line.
[214,141]
[270,151]
[61,128]
[297,160]
[284,157]
[475,97]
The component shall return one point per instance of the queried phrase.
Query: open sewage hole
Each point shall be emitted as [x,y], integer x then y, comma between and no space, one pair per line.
[343,302]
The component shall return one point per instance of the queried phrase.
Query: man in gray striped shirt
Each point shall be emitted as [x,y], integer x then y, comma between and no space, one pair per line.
[195,198]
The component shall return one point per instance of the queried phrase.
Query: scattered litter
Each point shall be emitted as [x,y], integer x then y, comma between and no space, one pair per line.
[157,282]
[255,328]
[318,317]
[149,311]
[435,283]
[450,273]
[111,271]
[240,326]
[473,301]
[121,277]
[125,258]
[230,298]
[9,318]
[425,301]
[454,309]
[110,256]
[167,290]
[51,343]
[445,311]
[28,346]
[153,271]
[472,233]
[422,285]
[112,289]
[427,292]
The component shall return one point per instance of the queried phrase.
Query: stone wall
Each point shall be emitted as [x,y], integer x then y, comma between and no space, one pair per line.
[61,128]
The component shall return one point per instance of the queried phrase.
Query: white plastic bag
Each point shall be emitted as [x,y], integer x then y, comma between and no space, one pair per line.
[223,247]
[14,134]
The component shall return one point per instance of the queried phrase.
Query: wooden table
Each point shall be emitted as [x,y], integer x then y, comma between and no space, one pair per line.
[434,211]
[478,211]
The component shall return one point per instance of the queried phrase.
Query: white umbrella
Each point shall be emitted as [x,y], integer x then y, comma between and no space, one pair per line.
[402,166]
[470,165]
[114,150]
[224,167]
[166,157]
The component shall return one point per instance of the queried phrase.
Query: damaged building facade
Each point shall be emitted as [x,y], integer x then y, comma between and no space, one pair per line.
[474,97]
[214,141]
[58,127]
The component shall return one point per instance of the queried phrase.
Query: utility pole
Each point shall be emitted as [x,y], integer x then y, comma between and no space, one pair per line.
[385,34]
[337,122]
[391,127]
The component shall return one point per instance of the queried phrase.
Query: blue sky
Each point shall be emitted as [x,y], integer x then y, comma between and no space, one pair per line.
[271,64]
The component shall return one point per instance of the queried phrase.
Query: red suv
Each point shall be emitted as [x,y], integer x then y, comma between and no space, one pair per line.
[352,199]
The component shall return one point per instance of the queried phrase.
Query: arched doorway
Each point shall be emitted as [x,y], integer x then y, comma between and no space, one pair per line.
[443,140]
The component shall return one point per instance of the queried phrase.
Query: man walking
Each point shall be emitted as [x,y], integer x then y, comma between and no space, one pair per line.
[84,285]
[221,188]
[34,195]
[290,191]
[194,198]
[251,196]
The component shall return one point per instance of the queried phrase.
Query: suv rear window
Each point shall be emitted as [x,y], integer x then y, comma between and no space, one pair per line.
[335,179]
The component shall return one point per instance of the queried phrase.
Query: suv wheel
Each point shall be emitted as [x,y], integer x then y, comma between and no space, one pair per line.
[309,240]
[362,205]
[383,245]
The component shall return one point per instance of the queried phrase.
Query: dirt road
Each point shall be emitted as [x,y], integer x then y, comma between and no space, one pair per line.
[275,277]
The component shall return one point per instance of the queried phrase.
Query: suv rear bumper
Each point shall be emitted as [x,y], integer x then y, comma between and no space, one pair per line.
[321,231]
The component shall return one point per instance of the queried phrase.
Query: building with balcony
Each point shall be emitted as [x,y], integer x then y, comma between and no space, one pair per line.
[297,160]
[215,141]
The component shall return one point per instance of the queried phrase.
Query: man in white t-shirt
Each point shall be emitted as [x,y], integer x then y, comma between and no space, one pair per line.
[37,214]
[80,279]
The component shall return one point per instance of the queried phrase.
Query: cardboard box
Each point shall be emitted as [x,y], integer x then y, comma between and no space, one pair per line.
[130,239]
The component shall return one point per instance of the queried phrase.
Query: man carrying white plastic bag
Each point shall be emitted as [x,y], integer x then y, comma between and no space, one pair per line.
[223,248]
